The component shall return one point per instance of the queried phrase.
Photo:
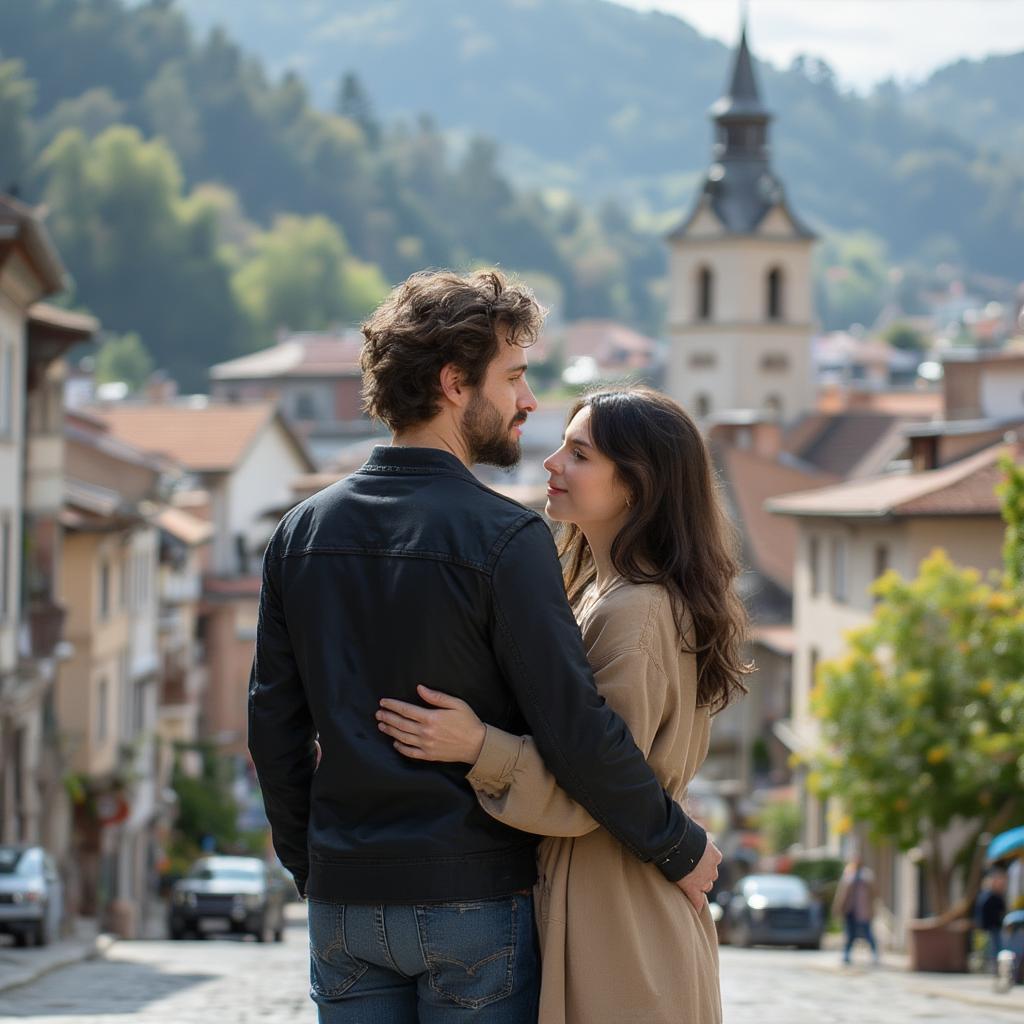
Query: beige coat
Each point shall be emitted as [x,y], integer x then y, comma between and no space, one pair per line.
[620,944]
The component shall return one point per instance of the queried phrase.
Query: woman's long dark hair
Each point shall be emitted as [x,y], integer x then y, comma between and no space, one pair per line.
[676,534]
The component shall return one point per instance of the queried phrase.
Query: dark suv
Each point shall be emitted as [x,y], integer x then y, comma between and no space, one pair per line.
[233,894]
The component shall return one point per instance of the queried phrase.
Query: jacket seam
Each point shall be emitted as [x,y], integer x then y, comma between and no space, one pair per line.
[506,536]
[459,858]
[467,478]
[434,556]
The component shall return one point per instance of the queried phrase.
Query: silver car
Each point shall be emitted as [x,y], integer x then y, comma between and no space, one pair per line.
[31,895]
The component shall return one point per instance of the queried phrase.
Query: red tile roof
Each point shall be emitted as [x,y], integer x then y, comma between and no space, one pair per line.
[204,439]
[752,480]
[965,487]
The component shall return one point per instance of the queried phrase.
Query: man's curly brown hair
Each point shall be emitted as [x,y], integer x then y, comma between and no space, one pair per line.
[436,318]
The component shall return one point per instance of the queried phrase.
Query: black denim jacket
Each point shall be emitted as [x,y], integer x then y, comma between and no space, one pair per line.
[412,571]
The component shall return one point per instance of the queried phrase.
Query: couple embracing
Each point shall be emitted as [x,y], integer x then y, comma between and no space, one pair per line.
[493,831]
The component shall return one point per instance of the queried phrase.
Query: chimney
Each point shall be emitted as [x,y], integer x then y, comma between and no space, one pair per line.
[161,389]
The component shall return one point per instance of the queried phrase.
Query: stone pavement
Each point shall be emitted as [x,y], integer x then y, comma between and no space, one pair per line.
[964,990]
[23,966]
[238,981]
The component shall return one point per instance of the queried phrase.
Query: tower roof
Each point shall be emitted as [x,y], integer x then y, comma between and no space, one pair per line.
[740,187]
[742,99]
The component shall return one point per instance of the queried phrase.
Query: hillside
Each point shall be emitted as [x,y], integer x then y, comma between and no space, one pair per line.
[604,100]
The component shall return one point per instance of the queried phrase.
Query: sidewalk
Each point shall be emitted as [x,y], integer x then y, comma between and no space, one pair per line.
[21,966]
[972,989]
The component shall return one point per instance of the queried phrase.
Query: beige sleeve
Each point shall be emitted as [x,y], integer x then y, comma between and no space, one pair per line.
[511,780]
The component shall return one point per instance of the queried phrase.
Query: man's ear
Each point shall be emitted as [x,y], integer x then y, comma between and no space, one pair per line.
[453,385]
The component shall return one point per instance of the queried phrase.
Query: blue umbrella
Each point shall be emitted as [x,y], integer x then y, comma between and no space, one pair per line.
[1006,843]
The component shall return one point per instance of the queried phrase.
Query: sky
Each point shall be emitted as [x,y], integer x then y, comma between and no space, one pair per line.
[864,41]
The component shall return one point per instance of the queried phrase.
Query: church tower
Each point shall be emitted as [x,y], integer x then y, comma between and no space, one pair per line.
[740,300]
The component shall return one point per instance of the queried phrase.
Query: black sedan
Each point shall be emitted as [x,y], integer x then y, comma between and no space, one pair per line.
[772,910]
[228,894]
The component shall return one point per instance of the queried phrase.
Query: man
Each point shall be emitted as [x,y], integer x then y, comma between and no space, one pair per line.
[855,903]
[411,571]
[989,911]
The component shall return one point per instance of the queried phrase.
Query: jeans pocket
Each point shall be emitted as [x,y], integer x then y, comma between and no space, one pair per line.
[470,948]
[332,970]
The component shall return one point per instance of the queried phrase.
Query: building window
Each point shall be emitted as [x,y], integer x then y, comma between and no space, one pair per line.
[774,309]
[141,581]
[702,404]
[814,562]
[839,570]
[881,562]
[104,591]
[5,567]
[305,406]
[6,389]
[774,362]
[102,702]
[703,361]
[705,293]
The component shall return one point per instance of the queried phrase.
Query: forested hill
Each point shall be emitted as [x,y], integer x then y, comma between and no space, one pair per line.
[204,205]
[606,100]
[203,200]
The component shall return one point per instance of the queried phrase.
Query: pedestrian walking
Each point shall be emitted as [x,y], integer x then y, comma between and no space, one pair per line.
[855,904]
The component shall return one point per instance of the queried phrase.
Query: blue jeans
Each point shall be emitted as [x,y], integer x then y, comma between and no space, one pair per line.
[855,929]
[432,963]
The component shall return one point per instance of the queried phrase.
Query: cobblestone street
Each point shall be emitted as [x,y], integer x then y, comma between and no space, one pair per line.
[240,982]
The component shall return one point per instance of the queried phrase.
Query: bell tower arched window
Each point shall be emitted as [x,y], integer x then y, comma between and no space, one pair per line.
[705,293]
[774,304]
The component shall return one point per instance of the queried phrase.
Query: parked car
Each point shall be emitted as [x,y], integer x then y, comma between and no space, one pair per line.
[772,910]
[232,894]
[31,895]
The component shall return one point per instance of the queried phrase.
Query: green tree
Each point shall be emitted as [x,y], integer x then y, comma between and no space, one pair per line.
[779,824]
[142,257]
[852,271]
[1011,494]
[903,336]
[300,275]
[923,716]
[353,103]
[17,96]
[205,805]
[124,359]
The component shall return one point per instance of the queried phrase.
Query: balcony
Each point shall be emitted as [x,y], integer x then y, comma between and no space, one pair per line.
[45,627]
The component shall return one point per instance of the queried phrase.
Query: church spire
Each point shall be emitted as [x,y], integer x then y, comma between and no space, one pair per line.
[741,104]
[740,186]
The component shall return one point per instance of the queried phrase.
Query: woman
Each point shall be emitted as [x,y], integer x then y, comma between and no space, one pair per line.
[650,575]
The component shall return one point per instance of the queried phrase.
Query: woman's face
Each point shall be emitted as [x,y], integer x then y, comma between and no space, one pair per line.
[583,487]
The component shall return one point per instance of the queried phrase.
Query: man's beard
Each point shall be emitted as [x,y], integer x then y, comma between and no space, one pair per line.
[488,438]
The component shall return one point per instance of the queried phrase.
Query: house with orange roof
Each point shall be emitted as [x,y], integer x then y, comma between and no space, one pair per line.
[108,692]
[243,455]
[314,378]
[240,461]
[34,337]
[848,535]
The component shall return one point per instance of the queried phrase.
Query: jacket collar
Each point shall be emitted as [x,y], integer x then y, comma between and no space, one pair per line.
[387,458]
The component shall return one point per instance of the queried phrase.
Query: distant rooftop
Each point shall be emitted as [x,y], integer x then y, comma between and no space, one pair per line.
[306,354]
[204,439]
[966,487]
